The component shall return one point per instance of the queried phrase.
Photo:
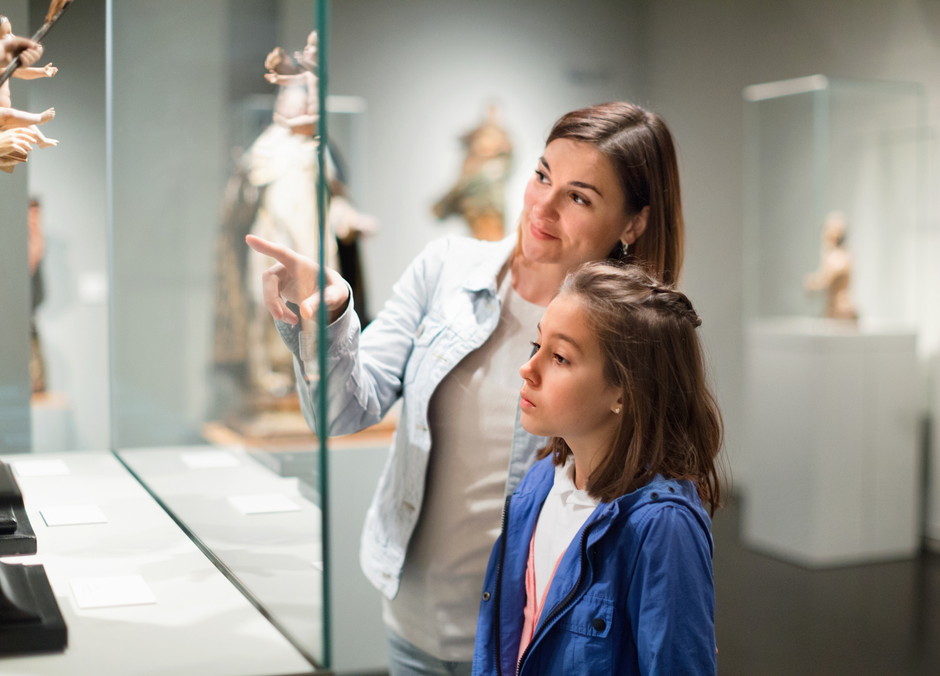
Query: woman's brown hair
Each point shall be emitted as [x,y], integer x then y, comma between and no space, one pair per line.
[640,147]
[671,424]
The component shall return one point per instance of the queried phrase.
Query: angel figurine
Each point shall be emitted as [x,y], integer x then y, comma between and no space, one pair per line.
[834,275]
[297,70]
[11,118]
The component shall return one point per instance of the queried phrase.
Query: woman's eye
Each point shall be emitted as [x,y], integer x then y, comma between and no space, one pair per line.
[577,198]
[541,177]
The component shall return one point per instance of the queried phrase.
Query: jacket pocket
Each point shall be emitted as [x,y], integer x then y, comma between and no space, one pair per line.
[592,616]
[588,629]
[426,351]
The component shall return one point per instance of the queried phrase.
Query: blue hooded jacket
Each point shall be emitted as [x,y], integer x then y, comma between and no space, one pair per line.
[633,593]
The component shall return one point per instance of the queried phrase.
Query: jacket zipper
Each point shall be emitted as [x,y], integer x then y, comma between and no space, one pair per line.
[565,602]
[498,584]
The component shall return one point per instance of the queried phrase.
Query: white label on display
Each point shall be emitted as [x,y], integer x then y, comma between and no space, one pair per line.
[208,459]
[263,504]
[72,515]
[108,592]
[26,468]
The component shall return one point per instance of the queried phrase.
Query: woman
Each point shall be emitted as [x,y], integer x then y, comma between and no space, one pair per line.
[449,342]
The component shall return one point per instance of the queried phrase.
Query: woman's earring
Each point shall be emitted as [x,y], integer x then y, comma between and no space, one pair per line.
[624,249]
[617,410]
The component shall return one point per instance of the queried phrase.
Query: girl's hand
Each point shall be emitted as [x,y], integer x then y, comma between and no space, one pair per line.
[294,279]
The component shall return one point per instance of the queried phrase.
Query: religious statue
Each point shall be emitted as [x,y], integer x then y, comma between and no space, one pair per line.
[834,276]
[479,193]
[272,193]
[12,119]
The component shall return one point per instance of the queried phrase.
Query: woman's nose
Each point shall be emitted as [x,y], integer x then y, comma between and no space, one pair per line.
[544,206]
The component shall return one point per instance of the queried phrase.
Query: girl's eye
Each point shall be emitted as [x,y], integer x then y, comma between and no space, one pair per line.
[559,359]
[541,177]
[535,346]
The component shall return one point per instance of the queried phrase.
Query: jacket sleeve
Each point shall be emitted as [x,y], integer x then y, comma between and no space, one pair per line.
[365,368]
[671,598]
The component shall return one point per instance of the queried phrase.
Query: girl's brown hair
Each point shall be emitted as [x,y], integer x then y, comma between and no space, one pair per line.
[671,424]
[640,147]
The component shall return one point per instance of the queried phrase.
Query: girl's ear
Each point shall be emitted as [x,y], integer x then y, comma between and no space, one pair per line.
[617,408]
[636,227]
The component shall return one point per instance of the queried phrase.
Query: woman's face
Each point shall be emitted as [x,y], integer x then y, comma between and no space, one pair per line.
[574,210]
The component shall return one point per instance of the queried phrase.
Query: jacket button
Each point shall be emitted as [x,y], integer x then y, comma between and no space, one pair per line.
[599,624]
[486,596]
[654,495]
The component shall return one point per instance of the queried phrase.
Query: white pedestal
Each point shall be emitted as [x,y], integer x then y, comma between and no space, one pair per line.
[832,452]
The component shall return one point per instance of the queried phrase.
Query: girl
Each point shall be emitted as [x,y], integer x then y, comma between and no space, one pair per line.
[448,342]
[604,561]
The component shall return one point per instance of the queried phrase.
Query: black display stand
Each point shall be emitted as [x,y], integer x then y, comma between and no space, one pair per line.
[16,534]
[30,620]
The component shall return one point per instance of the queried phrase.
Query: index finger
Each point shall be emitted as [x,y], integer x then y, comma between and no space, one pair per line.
[280,253]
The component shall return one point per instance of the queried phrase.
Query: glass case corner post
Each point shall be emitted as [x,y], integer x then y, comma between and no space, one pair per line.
[322,27]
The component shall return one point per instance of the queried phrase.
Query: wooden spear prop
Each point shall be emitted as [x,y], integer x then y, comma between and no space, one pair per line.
[56,7]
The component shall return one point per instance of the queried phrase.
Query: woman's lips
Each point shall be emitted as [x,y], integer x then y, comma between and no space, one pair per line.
[538,233]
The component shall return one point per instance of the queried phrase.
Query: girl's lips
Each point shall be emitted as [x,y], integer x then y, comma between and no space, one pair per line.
[525,403]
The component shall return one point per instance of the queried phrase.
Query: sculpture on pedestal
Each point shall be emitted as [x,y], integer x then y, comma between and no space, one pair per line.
[834,276]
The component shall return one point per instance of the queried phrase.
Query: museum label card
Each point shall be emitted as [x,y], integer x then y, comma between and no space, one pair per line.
[72,515]
[26,468]
[263,504]
[208,459]
[108,592]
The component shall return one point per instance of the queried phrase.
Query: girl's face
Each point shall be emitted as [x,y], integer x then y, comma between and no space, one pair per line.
[573,209]
[565,393]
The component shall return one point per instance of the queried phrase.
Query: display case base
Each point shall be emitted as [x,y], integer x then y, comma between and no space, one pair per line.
[30,620]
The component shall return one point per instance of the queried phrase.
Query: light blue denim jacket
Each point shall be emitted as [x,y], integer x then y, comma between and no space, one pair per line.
[442,308]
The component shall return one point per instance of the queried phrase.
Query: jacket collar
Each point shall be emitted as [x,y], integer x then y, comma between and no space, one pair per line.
[483,277]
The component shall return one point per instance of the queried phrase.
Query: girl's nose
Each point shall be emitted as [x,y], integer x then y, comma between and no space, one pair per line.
[527,371]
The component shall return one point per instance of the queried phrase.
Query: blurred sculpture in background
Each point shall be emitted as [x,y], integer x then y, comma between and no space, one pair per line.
[479,193]
[272,193]
[834,276]
[36,247]
[282,166]
[12,119]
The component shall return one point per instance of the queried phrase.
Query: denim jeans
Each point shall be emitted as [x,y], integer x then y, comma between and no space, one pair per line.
[405,659]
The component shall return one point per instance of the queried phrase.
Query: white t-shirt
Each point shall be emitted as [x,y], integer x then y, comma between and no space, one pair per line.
[564,511]
[472,416]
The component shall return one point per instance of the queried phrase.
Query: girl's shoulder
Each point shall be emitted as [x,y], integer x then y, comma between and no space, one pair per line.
[660,495]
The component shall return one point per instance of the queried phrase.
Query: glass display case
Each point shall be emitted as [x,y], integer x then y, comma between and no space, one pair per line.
[156,363]
[834,227]
[157,358]
[818,146]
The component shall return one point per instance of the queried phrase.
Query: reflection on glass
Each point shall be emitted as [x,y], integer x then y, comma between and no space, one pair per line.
[155,342]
